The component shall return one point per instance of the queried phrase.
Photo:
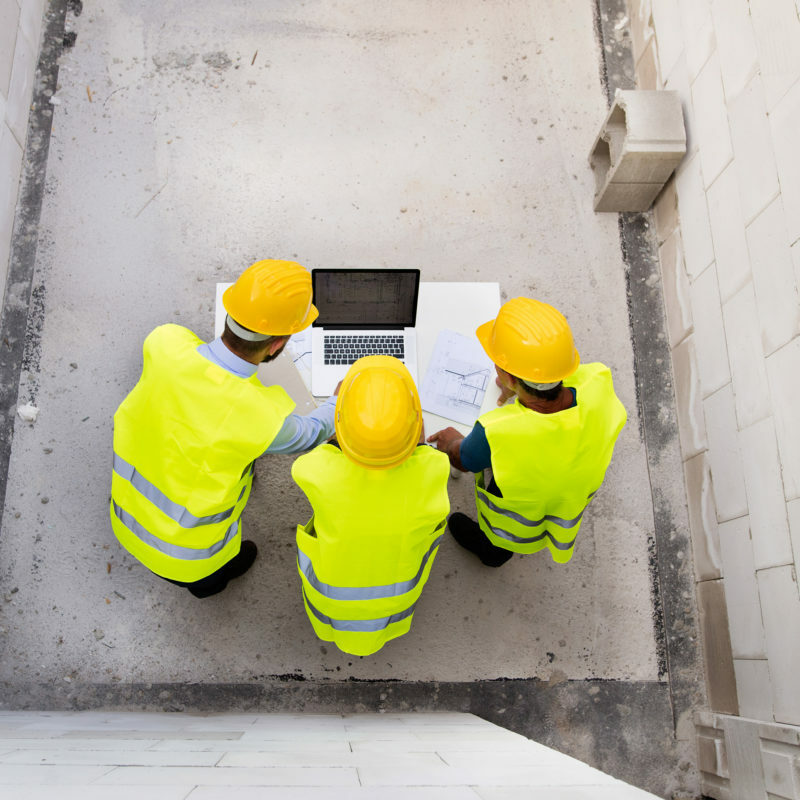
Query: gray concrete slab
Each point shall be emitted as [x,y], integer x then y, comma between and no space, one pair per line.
[186,145]
[192,168]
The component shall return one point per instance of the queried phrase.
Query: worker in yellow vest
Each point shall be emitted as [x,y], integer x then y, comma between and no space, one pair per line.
[547,452]
[379,500]
[186,437]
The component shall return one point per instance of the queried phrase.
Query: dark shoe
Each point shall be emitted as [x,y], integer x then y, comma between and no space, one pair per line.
[217,581]
[469,535]
[242,561]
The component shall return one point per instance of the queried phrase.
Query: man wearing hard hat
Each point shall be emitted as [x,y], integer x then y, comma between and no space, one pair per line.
[187,435]
[548,451]
[379,500]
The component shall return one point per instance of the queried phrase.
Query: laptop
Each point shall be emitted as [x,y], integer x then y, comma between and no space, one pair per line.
[362,312]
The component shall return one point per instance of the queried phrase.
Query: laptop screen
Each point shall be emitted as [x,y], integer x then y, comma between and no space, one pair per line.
[366,298]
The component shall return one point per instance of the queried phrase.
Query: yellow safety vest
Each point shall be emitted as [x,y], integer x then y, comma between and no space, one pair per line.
[368,549]
[548,466]
[185,439]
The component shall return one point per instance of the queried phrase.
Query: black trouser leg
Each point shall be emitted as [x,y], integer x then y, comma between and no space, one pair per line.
[215,582]
[210,585]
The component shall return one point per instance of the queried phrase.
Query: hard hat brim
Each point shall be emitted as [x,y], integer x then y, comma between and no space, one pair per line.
[312,314]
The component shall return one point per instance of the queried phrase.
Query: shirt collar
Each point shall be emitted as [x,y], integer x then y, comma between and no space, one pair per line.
[218,352]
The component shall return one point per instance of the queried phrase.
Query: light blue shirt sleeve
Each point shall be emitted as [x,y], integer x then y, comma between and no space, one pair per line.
[300,433]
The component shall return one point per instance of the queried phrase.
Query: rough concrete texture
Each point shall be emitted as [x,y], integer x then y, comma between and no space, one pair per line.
[186,145]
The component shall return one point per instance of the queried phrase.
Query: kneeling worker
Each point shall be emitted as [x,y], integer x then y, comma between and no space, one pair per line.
[548,451]
[379,497]
[186,436]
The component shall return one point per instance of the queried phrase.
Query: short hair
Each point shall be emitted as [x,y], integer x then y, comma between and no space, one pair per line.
[542,394]
[244,347]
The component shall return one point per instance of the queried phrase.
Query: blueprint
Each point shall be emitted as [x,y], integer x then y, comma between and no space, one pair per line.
[299,351]
[457,378]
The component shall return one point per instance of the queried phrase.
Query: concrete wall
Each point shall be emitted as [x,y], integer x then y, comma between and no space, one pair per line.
[728,228]
[20,30]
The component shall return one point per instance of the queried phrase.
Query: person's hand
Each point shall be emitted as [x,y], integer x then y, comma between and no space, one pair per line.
[505,392]
[336,390]
[448,440]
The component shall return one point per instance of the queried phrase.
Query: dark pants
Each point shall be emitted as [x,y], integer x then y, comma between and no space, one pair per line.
[212,584]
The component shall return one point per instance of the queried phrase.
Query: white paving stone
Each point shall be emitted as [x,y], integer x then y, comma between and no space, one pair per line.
[325,793]
[101,793]
[616,792]
[9,20]
[693,210]
[247,745]
[793,512]
[22,775]
[677,80]
[741,589]
[112,758]
[780,604]
[314,758]
[688,399]
[669,36]
[736,43]
[21,87]
[746,356]
[462,754]
[711,120]
[702,518]
[10,165]
[477,774]
[698,33]
[419,746]
[218,776]
[783,367]
[765,500]
[784,122]
[31,19]
[777,33]
[773,277]
[752,149]
[753,687]
[728,234]
[676,288]
[709,333]
[796,262]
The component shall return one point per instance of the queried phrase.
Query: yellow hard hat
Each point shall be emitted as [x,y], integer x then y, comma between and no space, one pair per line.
[272,297]
[531,340]
[378,417]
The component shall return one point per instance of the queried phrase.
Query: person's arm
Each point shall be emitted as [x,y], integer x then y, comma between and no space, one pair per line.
[300,433]
[468,454]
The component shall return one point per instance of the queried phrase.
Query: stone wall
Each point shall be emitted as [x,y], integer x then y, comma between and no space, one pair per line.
[728,229]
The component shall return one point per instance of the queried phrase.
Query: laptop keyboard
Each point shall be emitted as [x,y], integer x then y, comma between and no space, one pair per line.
[347,349]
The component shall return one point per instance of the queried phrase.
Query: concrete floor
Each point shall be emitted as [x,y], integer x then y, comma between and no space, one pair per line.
[187,144]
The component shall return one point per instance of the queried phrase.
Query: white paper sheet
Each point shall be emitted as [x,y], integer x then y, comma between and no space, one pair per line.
[457,378]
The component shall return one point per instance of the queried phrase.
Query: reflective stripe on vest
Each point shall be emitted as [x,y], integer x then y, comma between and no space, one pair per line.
[560,521]
[361,592]
[173,510]
[173,550]
[359,625]
[527,540]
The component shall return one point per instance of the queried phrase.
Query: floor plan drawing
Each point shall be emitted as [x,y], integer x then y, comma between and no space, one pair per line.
[457,378]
